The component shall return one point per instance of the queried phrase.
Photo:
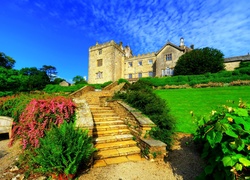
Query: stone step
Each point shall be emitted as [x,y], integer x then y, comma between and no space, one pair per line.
[109,127]
[112,138]
[115,145]
[112,118]
[95,108]
[116,152]
[111,132]
[109,122]
[103,114]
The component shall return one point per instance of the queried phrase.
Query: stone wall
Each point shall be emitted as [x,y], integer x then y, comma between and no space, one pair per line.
[81,91]
[162,63]
[84,118]
[110,69]
[230,66]
[139,126]
[144,68]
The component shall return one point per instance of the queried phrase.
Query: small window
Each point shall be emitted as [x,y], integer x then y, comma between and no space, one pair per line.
[99,62]
[99,75]
[130,76]
[150,74]
[130,64]
[139,75]
[150,61]
[100,51]
[140,63]
[169,57]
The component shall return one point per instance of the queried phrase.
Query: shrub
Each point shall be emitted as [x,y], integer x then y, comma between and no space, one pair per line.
[225,143]
[62,150]
[13,106]
[140,95]
[40,115]
[122,81]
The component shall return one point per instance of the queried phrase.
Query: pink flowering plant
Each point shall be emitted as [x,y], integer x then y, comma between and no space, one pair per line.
[39,116]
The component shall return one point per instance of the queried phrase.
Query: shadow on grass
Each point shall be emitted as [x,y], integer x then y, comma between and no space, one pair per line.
[184,158]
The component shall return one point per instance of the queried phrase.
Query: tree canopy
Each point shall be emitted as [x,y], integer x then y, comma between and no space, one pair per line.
[50,71]
[200,61]
[79,80]
[6,61]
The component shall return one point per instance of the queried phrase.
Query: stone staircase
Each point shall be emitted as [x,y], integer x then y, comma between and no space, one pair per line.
[112,138]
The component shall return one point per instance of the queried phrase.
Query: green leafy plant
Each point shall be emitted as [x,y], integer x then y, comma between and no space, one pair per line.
[62,150]
[225,142]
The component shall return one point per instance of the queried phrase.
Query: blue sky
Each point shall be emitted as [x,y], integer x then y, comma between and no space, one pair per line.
[60,32]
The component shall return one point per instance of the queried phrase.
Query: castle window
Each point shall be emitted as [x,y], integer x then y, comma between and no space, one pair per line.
[169,57]
[130,76]
[140,63]
[150,74]
[99,62]
[99,75]
[130,64]
[139,75]
[150,61]
[100,51]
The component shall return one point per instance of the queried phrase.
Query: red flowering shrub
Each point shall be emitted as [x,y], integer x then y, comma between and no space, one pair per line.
[41,115]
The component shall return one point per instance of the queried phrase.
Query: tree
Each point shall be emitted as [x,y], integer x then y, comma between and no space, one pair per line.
[200,61]
[58,80]
[50,71]
[34,79]
[6,61]
[79,80]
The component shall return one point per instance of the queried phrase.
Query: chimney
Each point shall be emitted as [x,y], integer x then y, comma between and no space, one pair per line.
[182,42]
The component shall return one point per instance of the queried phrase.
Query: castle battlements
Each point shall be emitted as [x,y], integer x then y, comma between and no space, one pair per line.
[104,45]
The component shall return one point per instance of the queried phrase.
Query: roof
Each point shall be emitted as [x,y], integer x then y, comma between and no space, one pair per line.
[174,46]
[237,58]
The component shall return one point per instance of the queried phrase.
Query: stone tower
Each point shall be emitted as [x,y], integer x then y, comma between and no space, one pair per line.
[106,62]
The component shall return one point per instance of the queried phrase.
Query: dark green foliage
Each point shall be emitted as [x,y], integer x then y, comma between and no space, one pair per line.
[241,73]
[58,81]
[33,79]
[50,88]
[50,71]
[6,61]
[62,150]
[225,143]
[122,81]
[200,61]
[140,95]
[79,80]
[13,106]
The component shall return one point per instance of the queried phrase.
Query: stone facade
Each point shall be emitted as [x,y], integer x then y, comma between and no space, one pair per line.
[110,62]
[234,62]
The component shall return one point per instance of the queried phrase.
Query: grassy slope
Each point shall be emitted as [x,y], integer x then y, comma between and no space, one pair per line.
[201,102]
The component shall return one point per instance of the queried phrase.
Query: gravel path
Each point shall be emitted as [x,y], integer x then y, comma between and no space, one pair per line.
[182,163]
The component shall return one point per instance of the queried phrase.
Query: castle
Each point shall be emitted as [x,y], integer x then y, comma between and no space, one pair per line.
[111,61]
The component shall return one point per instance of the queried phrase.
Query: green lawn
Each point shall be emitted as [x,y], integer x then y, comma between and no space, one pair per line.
[201,102]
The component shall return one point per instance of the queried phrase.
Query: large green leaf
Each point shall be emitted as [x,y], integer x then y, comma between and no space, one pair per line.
[228,161]
[240,144]
[244,161]
[238,167]
[241,120]
[214,137]
[241,112]
[222,127]
[231,133]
